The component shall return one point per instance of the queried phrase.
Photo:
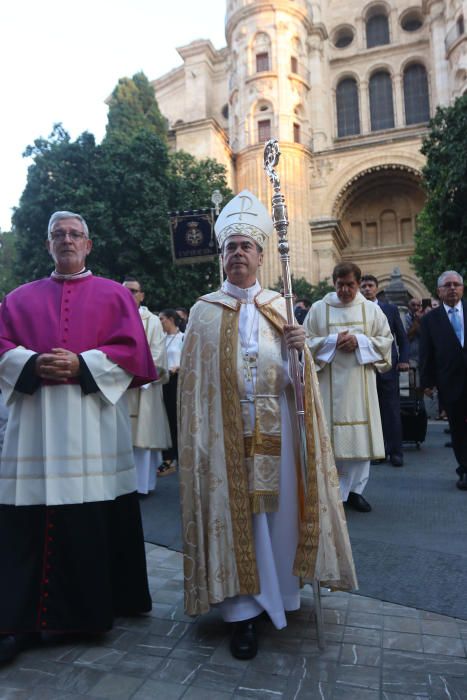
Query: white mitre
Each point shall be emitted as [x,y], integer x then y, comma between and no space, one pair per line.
[245,216]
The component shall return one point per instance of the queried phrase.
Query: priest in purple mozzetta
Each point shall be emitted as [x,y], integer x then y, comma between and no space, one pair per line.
[71,543]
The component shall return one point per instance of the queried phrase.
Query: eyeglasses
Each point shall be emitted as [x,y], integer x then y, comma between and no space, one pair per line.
[134,291]
[60,235]
[447,285]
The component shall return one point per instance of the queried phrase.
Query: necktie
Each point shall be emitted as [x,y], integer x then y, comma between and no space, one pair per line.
[455,322]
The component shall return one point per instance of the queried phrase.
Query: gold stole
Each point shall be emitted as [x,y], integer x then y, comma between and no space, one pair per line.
[263,443]
[238,448]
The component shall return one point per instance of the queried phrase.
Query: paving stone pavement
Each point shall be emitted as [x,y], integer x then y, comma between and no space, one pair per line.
[375,651]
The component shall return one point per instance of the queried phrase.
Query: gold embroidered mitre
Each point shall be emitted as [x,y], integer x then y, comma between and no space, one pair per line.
[245,216]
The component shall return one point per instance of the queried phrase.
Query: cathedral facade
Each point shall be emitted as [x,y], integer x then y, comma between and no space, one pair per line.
[348,89]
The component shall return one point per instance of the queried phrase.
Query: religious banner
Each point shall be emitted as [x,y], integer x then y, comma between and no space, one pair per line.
[192,235]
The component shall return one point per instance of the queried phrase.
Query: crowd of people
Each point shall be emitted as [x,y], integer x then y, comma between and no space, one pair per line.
[105,398]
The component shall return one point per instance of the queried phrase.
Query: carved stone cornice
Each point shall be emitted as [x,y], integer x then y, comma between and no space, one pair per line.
[325,228]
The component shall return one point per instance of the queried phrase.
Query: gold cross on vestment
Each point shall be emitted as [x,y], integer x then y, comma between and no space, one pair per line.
[249,363]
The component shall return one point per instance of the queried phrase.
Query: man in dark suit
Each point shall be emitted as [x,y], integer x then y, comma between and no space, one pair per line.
[443,362]
[387,384]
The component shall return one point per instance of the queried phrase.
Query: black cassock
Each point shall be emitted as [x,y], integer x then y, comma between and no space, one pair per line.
[71,568]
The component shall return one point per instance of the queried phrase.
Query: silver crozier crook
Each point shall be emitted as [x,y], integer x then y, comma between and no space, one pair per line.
[281,223]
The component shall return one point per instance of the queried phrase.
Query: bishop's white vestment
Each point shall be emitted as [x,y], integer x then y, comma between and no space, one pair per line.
[253,531]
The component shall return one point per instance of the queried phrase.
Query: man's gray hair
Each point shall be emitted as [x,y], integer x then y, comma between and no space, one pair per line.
[443,276]
[59,215]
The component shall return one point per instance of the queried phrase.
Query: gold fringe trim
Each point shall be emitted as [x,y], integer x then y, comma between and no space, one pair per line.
[264,502]
[242,524]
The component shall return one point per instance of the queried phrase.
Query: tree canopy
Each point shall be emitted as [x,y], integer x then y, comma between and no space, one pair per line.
[441,233]
[132,107]
[124,188]
[8,279]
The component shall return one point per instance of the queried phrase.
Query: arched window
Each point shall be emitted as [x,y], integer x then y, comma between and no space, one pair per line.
[377,30]
[417,103]
[381,104]
[348,116]
[262,53]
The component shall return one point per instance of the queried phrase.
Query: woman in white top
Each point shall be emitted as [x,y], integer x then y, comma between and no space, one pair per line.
[173,341]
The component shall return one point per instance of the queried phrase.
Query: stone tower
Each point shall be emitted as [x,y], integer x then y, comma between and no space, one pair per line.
[269,96]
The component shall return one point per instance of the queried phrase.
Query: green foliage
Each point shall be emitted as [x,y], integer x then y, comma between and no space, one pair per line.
[441,234]
[8,280]
[64,176]
[133,107]
[192,181]
[124,188]
[304,290]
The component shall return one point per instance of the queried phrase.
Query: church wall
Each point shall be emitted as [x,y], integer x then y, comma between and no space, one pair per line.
[318,173]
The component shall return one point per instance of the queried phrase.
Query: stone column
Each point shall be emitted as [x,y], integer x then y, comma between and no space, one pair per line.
[365,122]
[321,119]
[398,101]
[438,52]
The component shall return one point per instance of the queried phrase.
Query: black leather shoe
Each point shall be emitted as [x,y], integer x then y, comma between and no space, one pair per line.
[12,644]
[244,641]
[462,483]
[377,461]
[357,502]
[397,461]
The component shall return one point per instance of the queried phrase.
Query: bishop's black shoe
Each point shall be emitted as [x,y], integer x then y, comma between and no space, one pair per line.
[462,482]
[244,641]
[397,460]
[357,502]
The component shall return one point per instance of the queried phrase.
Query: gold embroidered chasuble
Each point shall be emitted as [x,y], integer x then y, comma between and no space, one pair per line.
[348,388]
[229,469]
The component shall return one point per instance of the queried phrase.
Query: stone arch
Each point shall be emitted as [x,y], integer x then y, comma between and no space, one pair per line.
[346,73]
[261,111]
[260,45]
[380,67]
[377,210]
[413,285]
[373,7]
[378,207]
[356,170]
[408,61]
